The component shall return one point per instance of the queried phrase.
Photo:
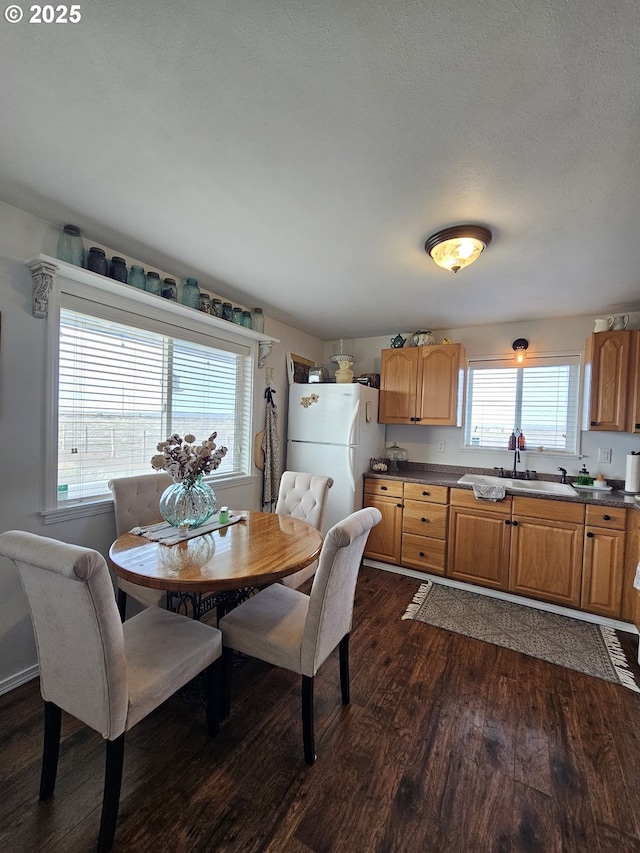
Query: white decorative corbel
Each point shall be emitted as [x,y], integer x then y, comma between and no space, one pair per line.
[42,275]
[264,351]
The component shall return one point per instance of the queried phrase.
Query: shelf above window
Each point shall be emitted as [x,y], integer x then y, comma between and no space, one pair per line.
[44,269]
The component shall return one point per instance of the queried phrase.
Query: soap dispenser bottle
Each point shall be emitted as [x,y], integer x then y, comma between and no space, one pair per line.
[512,441]
[584,479]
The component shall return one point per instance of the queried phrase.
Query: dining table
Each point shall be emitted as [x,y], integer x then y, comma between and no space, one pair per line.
[221,567]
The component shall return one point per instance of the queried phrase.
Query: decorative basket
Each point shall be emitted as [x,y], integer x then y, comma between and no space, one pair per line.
[380,465]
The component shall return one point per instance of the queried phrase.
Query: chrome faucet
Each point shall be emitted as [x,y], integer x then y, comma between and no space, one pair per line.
[563,475]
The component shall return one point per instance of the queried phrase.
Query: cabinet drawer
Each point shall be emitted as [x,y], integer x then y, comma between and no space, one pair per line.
[422,552]
[466,498]
[550,510]
[383,487]
[425,519]
[606,516]
[424,492]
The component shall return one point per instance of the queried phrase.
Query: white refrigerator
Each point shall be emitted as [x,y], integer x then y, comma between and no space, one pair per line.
[333,430]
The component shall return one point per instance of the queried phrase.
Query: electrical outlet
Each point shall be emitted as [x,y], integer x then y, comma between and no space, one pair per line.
[604,455]
[441,446]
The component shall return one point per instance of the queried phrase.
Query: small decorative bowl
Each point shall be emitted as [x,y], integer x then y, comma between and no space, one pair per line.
[379,465]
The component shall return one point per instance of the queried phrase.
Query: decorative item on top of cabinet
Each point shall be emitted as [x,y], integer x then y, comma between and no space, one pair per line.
[422,385]
[614,395]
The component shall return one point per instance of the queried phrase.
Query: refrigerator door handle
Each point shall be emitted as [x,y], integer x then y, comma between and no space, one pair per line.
[352,424]
[352,456]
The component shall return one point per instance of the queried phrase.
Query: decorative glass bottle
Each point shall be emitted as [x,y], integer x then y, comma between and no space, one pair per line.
[70,246]
[246,319]
[137,278]
[216,307]
[258,320]
[236,315]
[170,289]
[97,261]
[227,311]
[152,284]
[191,293]
[118,269]
[189,503]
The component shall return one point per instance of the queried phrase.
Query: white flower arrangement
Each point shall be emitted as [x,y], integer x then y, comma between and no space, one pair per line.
[185,460]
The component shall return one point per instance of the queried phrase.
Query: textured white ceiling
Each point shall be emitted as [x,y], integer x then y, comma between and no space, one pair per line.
[299,154]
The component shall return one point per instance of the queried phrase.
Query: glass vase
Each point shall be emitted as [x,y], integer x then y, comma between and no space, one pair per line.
[190,503]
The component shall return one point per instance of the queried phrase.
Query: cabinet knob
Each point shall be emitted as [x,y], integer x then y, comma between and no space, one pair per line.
[594,423]
[606,517]
[515,523]
[423,520]
[637,426]
[383,488]
[422,553]
[590,535]
[399,506]
[507,521]
[426,493]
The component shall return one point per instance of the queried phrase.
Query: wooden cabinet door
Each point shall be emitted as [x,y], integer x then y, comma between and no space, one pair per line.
[439,385]
[602,571]
[546,559]
[609,355]
[385,539]
[633,400]
[398,375]
[478,546]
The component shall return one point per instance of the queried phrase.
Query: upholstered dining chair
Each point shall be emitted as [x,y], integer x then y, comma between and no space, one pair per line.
[287,628]
[135,502]
[105,673]
[303,496]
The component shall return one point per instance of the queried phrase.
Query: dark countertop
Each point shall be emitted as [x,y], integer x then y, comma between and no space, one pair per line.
[442,475]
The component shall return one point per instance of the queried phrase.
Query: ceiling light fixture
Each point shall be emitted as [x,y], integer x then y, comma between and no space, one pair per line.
[457,247]
[520,347]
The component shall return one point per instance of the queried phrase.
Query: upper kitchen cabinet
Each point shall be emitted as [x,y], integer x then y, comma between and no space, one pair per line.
[614,398]
[422,385]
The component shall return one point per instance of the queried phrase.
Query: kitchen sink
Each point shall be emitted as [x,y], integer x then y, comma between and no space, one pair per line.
[531,487]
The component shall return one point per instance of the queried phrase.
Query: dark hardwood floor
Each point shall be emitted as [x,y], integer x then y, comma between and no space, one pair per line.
[449,745]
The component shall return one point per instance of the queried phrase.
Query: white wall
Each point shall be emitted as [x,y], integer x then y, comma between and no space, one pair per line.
[550,336]
[22,347]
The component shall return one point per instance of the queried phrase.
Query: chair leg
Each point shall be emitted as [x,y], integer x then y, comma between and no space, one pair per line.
[122,604]
[111,796]
[344,669]
[212,681]
[225,692]
[51,749]
[307,719]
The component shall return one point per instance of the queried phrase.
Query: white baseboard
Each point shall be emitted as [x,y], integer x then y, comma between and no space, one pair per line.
[616,624]
[19,678]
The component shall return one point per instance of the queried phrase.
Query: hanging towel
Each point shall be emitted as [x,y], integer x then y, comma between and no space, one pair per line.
[486,492]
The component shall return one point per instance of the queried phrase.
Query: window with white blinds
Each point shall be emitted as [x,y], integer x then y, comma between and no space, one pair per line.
[124,387]
[540,398]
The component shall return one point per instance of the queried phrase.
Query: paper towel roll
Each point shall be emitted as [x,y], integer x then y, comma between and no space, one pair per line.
[632,478]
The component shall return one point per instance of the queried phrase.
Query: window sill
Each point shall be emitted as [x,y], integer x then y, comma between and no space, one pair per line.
[102,506]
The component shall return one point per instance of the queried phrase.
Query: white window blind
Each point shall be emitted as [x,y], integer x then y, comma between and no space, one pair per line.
[541,399]
[123,388]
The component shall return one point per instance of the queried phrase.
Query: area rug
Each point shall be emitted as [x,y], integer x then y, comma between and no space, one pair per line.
[583,646]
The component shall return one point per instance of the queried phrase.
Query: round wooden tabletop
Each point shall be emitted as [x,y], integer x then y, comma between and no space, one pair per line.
[260,549]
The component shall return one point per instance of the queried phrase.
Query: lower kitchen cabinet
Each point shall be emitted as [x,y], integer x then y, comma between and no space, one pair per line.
[546,550]
[603,561]
[479,540]
[424,527]
[385,539]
